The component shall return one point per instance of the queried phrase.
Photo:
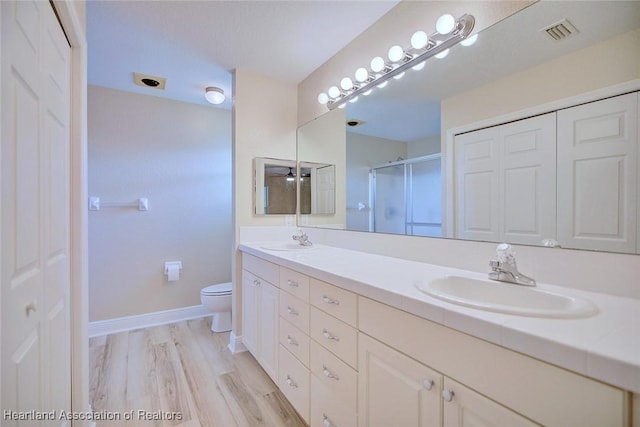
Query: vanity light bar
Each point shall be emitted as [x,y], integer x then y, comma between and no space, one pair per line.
[438,43]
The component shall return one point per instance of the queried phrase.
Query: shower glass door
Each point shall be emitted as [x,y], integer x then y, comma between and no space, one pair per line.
[407,197]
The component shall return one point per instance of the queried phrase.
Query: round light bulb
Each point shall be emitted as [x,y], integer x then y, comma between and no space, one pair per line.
[362,75]
[399,76]
[470,40]
[377,64]
[396,53]
[420,66]
[346,83]
[383,84]
[445,24]
[334,92]
[419,40]
[214,95]
[323,98]
[442,54]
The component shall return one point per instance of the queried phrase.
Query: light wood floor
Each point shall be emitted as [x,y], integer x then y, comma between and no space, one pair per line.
[185,368]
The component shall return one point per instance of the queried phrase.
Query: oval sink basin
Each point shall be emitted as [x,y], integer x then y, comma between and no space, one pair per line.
[507,298]
[285,246]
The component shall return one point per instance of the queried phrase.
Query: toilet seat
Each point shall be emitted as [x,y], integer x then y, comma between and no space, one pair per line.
[221,289]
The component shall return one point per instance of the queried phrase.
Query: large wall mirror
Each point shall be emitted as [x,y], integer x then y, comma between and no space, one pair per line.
[390,148]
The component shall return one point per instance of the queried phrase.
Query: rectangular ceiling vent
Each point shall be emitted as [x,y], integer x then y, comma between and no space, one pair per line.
[560,30]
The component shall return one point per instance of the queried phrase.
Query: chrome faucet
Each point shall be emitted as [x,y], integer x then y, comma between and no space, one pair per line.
[302,238]
[504,269]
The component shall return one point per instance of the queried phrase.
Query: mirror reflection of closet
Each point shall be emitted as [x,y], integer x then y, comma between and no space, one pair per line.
[274,186]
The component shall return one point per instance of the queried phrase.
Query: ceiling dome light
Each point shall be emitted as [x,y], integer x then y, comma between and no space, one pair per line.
[419,40]
[396,53]
[442,54]
[420,66]
[362,75]
[470,40]
[445,24]
[346,83]
[214,95]
[323,98]
[334,92]
[377,64]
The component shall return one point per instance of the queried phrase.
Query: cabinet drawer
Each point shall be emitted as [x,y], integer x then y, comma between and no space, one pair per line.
[295,283]
[294,381]
[295,311]
[295,341]
[261,268]
[327,410]
[335,301]
[334,335]
[338,377]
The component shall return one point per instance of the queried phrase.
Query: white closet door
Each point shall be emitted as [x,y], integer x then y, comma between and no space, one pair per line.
[505,182]
[35,228]
[477,166]
[323,190]
[598,175]
[528,179]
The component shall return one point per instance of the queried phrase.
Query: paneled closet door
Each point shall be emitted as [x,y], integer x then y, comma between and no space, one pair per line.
[505,182]
[598,175]
[35,229]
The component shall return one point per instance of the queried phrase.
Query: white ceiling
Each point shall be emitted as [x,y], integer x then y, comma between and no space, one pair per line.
[195,44]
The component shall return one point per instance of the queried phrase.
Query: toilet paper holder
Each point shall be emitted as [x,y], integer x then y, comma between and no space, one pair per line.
[172,270]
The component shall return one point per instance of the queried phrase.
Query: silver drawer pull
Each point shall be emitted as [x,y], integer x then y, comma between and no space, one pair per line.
[428,384]
[326,422]
[292,283]
[291,382]
[330,300]
[447,395]
[329,336]
[292,311]
[291,340]
[327,373]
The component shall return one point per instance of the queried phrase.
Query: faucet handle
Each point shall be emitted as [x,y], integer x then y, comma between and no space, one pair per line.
[494,263]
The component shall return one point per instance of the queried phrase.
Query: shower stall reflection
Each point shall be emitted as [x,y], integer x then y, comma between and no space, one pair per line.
[406,197]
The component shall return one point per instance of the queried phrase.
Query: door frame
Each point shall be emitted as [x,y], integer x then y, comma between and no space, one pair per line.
[73,23]
[74,27]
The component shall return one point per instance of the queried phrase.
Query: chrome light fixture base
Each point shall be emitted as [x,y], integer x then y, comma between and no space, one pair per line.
[438,43]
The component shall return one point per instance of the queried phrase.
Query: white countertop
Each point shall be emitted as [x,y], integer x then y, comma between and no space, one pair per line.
[605,346]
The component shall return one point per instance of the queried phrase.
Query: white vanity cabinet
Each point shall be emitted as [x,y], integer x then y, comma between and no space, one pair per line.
[334,355]
[490,385]
[294,376]
[260,312]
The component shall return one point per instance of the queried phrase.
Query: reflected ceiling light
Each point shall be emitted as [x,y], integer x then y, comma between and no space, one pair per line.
[470,41]
[214,95]
[449,32]
[399,76]
[367,93]
[291,176]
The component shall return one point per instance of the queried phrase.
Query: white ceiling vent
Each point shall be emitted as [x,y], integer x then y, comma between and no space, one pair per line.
[560,30]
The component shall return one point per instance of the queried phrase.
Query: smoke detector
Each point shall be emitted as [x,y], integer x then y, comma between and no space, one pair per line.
[146,80]
[561,30]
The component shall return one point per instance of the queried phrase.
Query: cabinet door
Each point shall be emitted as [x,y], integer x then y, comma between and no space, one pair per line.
[464,407]
[268,329]
[250,285]
[395,390]
[598,175]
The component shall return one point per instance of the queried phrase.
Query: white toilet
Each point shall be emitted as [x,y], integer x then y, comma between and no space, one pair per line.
[217,298]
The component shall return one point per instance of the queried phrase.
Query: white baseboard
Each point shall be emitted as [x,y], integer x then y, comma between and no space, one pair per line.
[128,323]
[235,344]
